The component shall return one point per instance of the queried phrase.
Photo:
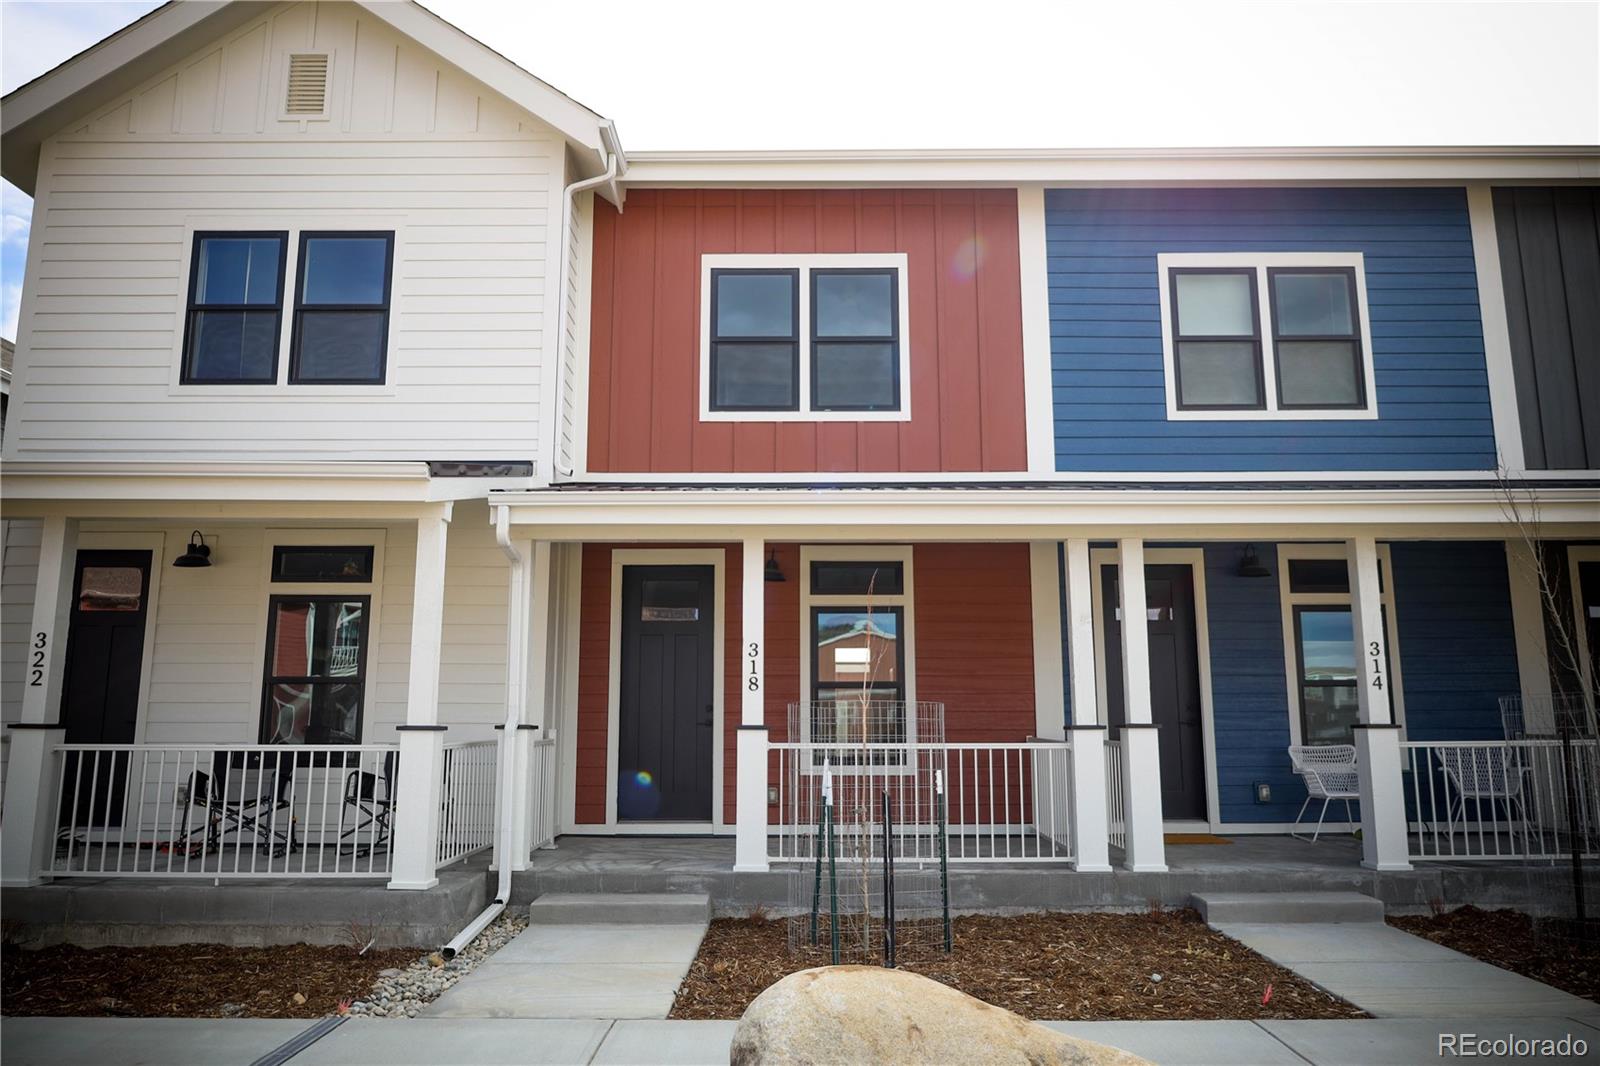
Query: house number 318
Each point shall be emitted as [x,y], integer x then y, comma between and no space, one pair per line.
[1375,652]
[752,682]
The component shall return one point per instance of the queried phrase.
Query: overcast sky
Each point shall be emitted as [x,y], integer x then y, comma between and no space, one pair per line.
[994,73]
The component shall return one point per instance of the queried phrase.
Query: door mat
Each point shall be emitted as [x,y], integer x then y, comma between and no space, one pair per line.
[1195,838]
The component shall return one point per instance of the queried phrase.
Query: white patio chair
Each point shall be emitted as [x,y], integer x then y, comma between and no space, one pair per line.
[1489,773]
[1329,773]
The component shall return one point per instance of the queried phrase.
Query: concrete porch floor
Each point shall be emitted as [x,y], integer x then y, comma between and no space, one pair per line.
[1251,863]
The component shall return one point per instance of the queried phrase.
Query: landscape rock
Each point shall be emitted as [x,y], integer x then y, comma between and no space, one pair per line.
[864,1014]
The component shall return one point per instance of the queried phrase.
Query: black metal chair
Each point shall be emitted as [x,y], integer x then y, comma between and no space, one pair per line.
[368,808]
[248,810]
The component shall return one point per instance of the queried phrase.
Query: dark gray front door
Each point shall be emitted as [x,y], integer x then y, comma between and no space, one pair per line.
[105,657]
[664,719]
[1174,682]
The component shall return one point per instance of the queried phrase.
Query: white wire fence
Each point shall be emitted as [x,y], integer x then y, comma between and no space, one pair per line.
[467,800]
[1116,819]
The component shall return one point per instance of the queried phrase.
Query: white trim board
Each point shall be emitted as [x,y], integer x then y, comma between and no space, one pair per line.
[805,264]
[1037,354]
[1195,559]
[716,558]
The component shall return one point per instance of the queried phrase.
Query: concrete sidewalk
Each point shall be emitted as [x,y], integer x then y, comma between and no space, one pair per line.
[538,1041]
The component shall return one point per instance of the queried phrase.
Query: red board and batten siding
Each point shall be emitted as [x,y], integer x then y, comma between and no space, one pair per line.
[973,640]
[966,388]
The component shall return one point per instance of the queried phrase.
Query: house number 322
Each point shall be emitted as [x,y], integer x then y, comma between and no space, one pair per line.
[752,681]
[1375,653]
[36,660]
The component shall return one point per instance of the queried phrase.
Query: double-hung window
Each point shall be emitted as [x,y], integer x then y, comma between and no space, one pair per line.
[339,332]
[804,338]
[1266,335]
[235,312]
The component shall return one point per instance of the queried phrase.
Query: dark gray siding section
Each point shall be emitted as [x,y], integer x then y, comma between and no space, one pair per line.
[1550,260]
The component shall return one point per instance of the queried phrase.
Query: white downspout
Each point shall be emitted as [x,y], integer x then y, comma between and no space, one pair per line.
[516,690]
[612,153]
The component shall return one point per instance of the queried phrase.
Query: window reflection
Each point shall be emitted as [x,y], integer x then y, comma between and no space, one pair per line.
[316,670]
[111,588]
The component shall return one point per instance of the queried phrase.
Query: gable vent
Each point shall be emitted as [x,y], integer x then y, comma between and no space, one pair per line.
[308,84]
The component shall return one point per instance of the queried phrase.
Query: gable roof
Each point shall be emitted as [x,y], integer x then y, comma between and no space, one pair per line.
[99,74]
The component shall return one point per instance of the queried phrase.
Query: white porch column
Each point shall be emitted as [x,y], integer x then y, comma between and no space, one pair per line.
[536,685]
[1533,653]
[524,628]
[416,836]
[1141,757]
[750,806]
[30,772]
[1377,736]
[1088,733]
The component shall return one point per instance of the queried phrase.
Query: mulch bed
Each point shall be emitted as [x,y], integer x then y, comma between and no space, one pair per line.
[189,981]
[1042,966]
[1510,940]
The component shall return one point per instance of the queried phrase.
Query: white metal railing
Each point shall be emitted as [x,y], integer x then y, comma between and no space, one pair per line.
[1502,799]
[467,800]
[1002,802]
[543,792]
[1116,819]
[221,810]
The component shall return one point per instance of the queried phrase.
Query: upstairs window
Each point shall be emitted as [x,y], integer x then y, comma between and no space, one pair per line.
[341,314]
[1266,335]
[804,338]
[235,309]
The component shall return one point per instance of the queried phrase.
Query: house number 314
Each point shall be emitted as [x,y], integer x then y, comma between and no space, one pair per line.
[1375,652]
[752,682]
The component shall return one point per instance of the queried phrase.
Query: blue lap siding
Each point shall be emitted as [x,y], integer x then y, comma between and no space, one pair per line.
[1457,648]
[1105,327]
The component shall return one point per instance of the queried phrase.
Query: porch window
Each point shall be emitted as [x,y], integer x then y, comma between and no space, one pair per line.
[322,564]
[341,312]
[316,669]
[1326,649]
[804,337]
[235,309]
[858,677]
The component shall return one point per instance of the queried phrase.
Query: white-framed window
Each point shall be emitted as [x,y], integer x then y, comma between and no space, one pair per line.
[857,656]
[1320,658]
[805,338]
[1266,335]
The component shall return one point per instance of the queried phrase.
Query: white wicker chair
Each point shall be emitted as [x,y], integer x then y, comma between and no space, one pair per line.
[1329,772]
[1487,774]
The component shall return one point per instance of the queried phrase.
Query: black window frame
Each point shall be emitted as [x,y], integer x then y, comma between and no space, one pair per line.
[1178,339]
[793,340]
[1357,349]
[191,309]
[895,693]
[368,551]
[300,306]
[894,567]
[893,274]
[269,680]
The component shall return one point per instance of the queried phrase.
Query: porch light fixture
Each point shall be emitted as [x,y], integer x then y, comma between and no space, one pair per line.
[774,571]
[197,554]
[1250,564]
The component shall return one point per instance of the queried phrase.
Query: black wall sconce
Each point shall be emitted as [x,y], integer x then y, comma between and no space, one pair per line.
[774,571]
[1250,563]
[197,554]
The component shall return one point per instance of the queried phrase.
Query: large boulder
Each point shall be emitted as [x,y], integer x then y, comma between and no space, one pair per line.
[864,1014]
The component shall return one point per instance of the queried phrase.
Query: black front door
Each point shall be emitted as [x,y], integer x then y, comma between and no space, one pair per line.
[1174,682]
[664,719]
[100,692]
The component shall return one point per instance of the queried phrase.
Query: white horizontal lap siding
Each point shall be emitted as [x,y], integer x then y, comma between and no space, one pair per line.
[410,144]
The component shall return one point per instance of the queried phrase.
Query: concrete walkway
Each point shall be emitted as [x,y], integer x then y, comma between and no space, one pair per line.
[580,1041]
[1392,974]
[614,956]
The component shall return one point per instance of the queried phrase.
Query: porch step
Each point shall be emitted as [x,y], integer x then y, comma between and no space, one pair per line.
[621,908]
[1262,907]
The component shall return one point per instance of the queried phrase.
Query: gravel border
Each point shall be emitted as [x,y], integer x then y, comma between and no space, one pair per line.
[403,993]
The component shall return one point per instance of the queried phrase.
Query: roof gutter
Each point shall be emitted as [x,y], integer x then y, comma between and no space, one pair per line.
[516,687]
[615,165]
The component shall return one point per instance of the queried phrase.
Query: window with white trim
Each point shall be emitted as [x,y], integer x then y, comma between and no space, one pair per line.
[1251,335]
[1319,641]
[804,338]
